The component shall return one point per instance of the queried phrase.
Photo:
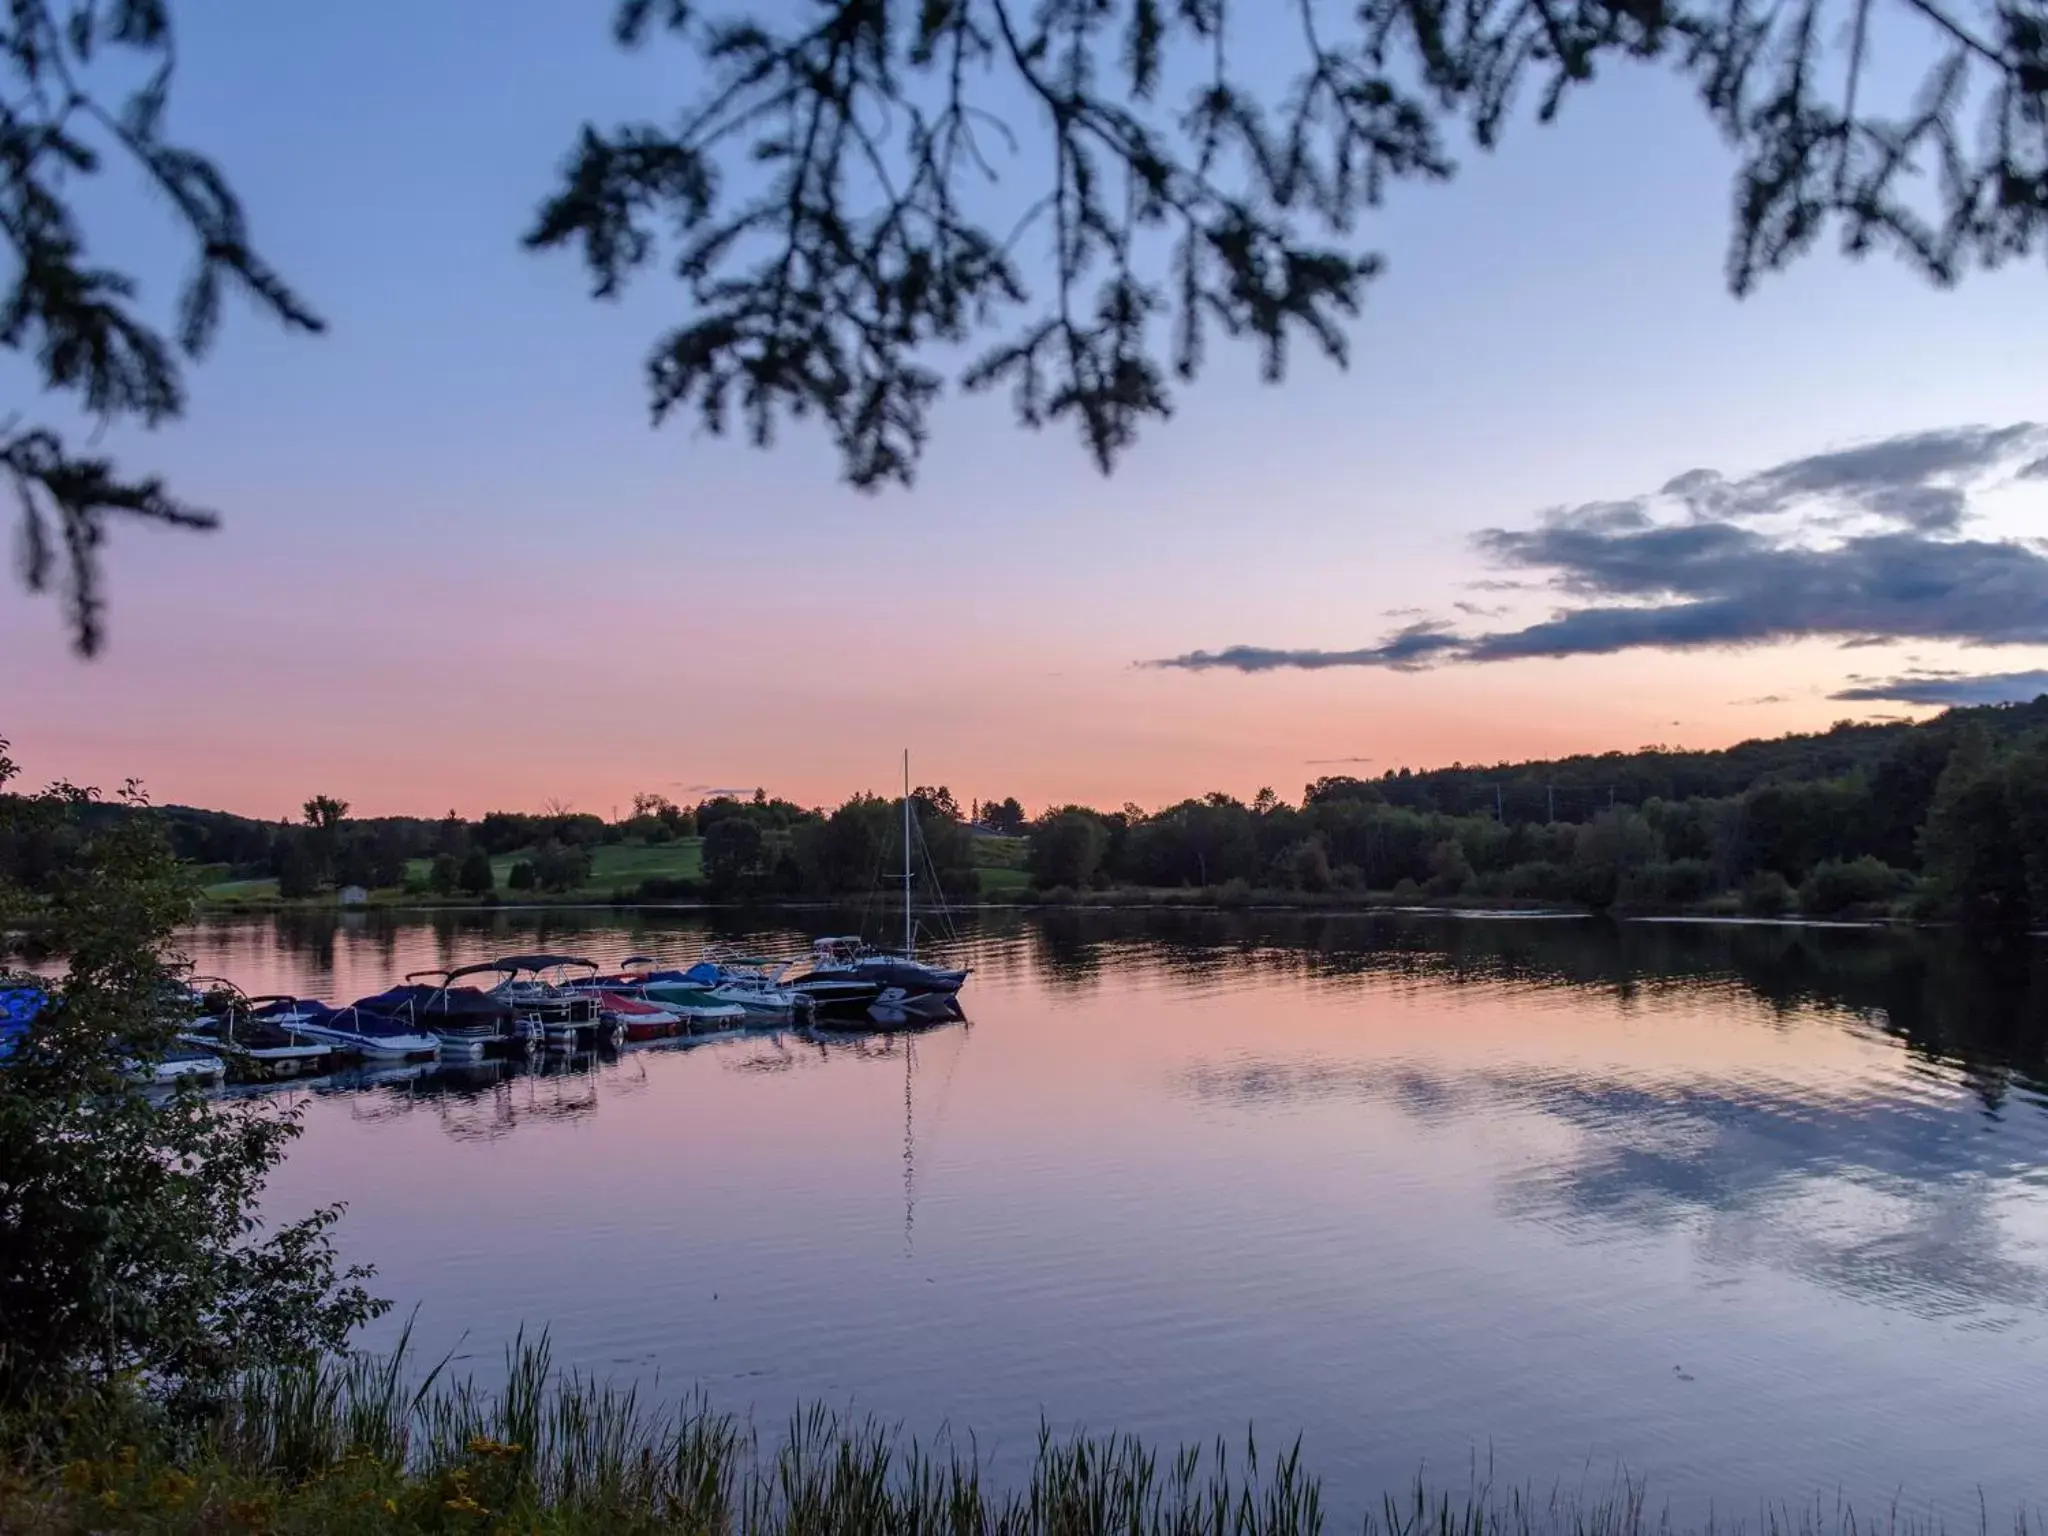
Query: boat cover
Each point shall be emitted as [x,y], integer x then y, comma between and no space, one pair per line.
[18,1007]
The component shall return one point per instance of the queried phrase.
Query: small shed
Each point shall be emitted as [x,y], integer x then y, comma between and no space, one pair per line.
[353,896]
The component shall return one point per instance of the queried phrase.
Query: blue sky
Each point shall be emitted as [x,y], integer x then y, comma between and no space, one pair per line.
[459,567]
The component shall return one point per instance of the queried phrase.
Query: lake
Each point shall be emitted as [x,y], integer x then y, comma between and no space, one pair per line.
[1755,1213]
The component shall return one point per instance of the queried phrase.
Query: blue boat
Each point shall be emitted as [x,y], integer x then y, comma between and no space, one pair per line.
[355,1029]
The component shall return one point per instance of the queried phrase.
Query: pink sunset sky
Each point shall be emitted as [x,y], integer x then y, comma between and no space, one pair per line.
[458,568]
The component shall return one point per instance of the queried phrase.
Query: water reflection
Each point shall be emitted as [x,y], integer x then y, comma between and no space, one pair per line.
[1444,1183]
[1908,1190]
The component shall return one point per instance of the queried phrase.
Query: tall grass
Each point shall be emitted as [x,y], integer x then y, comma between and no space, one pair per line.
[372,1444]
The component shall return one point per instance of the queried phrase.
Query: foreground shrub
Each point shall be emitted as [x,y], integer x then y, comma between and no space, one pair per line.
[128,1235]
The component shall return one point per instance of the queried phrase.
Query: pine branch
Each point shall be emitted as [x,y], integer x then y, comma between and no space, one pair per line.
[1236,208]
[76,318]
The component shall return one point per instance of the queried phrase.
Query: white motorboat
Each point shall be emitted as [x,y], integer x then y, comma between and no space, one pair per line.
[182,1065]
[253,1048]
[358,1031]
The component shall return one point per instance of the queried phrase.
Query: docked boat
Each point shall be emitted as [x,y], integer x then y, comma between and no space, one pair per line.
[552,993]
[467,1021]
[182,1064]
[751,984]
[691,993]
[637,1018]
[848,975]
[19,1005]
[893,1009]
[253,1049]
[850,958]
[836,993]
[356,1030]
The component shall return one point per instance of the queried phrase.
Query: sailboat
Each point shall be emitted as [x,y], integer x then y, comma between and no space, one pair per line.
[894,985]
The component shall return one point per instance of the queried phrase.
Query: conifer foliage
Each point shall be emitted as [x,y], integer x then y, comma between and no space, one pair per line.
[83,89]
[1085,190]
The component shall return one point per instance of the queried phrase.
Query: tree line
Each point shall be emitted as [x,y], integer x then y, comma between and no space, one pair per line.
[1944,819]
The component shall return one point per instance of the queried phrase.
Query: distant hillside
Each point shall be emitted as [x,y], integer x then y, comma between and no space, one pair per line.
[1947,817]
[1576,788]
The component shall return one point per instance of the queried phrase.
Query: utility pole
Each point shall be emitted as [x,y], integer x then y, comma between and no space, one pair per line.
[1550,794]
[1499,815]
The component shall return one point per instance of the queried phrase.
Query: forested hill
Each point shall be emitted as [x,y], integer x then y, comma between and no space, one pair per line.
[1576,788]
[1944,818]
[1948,818]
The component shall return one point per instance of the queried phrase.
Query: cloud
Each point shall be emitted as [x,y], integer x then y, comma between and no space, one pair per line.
[1718,585]
[1326,762]
[1917,480]
[1404,650]
[1764,698]
[1875,558]
[1951,689]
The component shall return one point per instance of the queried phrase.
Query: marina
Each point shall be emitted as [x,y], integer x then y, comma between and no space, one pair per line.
[522,1003]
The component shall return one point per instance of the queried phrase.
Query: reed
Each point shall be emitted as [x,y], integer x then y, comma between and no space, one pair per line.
[374,1444]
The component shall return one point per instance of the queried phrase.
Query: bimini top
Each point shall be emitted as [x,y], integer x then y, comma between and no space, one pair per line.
[540,962]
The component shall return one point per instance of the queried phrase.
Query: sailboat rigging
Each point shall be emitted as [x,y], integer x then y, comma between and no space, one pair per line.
[891,988]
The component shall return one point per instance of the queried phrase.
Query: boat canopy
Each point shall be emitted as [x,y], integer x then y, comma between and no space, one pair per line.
[488,967]
[541,962]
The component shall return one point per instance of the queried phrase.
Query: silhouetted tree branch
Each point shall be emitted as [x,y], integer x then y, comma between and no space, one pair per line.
[77,318]
[823,203]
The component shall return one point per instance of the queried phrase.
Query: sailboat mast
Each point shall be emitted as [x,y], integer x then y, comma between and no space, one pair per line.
[909,926]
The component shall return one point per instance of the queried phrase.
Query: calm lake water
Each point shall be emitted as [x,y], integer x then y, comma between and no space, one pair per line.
[1756,1213]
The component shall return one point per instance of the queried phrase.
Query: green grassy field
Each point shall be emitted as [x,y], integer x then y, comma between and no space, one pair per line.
[613,867]
[999,864]
[231,893]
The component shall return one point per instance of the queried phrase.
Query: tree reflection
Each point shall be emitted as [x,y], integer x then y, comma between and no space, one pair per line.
[1898,1188]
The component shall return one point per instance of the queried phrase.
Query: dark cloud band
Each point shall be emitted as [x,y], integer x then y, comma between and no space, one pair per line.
[1991,688]
[1713,578]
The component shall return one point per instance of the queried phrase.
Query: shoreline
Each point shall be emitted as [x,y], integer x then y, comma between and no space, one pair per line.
[1208,900]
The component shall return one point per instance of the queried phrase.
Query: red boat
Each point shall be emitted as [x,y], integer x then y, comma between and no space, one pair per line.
[637,1018]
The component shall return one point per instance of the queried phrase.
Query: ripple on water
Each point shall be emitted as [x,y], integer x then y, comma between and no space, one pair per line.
[1755,1212]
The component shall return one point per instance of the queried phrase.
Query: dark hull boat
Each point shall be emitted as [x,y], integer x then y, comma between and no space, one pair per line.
[355,1030]
[894,1009]
[837,995]
[467,1021]
[854,986]
[846,974]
